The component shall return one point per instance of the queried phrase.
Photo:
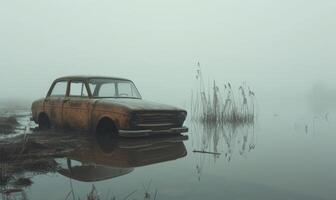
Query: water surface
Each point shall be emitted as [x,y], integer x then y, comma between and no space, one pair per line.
[287,154]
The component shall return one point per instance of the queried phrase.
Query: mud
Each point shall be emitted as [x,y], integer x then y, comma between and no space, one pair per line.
[32,153]
[8,124]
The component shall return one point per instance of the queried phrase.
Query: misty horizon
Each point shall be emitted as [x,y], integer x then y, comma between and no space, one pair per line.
[280,49]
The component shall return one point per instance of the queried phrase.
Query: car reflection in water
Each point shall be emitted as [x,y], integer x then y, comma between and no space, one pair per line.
[108,158]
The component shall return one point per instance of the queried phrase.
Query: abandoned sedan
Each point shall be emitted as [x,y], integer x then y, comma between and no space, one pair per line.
[105,105]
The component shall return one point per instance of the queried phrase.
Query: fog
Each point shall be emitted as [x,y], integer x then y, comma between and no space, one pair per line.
[282,49]
[282,147]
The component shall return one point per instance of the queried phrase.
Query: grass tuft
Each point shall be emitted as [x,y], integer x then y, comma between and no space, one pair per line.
[218,106]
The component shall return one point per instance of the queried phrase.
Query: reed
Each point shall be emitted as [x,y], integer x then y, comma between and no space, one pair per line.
[218,106]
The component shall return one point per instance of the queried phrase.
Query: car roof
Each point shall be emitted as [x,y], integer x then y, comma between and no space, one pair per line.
[66,78]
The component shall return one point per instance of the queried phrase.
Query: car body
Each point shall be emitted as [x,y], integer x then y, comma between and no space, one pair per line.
[105,104]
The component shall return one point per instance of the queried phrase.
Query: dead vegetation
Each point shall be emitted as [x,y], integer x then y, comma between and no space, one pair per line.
[221,105]
[147,195]
[224,118]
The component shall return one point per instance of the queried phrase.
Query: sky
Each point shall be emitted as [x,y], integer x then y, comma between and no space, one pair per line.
[282,49]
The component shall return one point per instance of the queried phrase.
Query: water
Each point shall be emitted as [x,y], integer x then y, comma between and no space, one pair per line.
[287,154]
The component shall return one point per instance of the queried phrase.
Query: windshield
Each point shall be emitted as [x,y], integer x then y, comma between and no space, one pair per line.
[113,88]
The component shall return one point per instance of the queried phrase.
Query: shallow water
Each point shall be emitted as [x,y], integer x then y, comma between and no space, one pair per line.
[284,155]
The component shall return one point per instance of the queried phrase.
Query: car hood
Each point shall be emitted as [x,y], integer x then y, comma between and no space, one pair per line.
[138,104]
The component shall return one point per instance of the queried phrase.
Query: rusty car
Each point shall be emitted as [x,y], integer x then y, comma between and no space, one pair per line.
[105,105]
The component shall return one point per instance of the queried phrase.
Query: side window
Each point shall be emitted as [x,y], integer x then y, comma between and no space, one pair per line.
[107,90]
[78,89]
[59,89]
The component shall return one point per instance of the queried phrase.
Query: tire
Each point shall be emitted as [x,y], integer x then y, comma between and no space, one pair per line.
[107,128]
[43,122]
[106,135]
[106,142]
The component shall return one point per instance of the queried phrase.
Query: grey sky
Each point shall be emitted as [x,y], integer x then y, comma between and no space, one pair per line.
[272,45]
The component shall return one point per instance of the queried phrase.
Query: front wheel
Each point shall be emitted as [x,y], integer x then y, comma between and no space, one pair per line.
[106,142]
[106,127]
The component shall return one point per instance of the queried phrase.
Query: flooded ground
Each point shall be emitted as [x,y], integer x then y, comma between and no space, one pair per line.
[283,155]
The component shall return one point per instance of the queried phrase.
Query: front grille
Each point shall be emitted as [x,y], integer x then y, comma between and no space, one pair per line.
[156,120]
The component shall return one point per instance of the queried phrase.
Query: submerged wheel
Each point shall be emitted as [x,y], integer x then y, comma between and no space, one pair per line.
[43,122]
[106,127]
[106,135]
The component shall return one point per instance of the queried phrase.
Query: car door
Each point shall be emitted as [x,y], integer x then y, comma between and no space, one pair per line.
[76,107]
[54,103]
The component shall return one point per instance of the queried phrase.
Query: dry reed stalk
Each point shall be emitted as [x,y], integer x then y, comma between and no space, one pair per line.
[218,109]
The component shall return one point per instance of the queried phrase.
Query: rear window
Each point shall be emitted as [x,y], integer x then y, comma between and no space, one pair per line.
[59,89]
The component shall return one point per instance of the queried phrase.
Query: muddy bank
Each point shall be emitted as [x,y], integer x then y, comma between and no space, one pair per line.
[8,124]
[15,122]
[33,154]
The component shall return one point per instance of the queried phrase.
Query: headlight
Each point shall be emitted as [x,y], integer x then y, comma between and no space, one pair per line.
[182,116]
[134,120]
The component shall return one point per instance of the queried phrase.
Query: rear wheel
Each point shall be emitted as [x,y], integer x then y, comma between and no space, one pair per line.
[43,122]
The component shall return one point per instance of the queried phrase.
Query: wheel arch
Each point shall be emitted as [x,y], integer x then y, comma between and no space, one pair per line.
[103,118]
[41,115]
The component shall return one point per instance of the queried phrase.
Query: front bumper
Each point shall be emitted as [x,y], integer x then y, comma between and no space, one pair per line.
[143,133]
